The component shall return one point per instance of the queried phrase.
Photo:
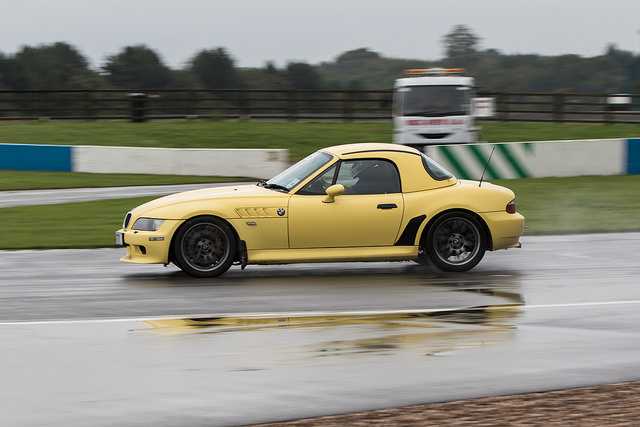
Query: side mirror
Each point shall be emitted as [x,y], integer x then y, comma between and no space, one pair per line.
[333,192]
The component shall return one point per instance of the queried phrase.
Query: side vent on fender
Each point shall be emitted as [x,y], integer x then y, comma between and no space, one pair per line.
[408,237]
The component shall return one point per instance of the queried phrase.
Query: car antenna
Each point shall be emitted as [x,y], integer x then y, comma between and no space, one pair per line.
[486,166]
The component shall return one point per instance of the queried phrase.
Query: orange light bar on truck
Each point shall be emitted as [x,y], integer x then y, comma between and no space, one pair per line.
[434,70]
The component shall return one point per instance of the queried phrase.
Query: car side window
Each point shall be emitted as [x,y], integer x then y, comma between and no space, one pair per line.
[370,176]
[319,185]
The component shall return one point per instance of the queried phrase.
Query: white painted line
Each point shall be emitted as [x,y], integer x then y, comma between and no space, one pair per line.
[580,304]
[317,313]
[246,316]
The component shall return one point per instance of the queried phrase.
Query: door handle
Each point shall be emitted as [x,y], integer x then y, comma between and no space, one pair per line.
[387,206]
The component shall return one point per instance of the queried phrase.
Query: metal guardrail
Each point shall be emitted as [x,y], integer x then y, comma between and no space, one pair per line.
[245,104]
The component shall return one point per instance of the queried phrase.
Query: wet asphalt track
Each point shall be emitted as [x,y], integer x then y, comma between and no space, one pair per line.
[88,340]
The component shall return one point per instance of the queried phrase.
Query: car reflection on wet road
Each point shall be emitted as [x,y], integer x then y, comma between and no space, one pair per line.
[89,340]
[432,332]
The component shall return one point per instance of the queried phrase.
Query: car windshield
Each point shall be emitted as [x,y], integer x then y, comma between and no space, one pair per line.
[433,101]
[292,176]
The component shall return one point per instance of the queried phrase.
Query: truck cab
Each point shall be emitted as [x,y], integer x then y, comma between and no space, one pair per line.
[434,106]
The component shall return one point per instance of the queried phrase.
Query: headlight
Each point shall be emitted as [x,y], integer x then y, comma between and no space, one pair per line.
[147,224]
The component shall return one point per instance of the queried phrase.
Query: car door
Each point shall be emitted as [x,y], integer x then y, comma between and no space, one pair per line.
[369,212]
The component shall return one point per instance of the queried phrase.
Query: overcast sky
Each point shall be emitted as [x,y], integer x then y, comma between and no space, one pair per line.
[256,31]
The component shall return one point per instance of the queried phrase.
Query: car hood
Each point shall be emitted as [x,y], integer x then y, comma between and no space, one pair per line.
[216,200]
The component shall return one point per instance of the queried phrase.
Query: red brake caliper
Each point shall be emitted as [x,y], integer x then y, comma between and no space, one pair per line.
[219,249]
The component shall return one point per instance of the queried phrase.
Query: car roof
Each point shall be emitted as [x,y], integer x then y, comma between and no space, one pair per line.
[358,148]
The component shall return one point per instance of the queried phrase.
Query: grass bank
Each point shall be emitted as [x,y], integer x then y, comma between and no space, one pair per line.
[26,180]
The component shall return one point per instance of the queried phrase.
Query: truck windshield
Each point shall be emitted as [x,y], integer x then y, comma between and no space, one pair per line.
[433,101]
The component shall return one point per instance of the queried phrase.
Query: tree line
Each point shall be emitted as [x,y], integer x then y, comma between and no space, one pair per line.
[60,66]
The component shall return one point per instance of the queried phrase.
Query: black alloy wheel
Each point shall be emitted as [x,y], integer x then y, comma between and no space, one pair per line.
[204,247]
[456,242]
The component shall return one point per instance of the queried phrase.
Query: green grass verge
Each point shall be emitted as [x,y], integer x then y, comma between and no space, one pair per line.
[301,138]
[65,225]
[533,131]
[578,204]
[550,205]
[26,180]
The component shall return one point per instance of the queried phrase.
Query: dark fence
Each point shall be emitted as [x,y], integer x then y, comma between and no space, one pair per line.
[204,104]
[341,105]
[566,107]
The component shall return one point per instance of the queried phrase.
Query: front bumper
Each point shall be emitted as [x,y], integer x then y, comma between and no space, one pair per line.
[147,247]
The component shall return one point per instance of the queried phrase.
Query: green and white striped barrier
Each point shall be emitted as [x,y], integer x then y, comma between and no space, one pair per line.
[536,159]
[469,161]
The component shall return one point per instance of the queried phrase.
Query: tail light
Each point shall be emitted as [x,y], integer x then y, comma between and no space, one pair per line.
[511,207]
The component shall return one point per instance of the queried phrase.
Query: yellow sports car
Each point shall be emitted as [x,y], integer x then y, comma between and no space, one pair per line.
[355,202]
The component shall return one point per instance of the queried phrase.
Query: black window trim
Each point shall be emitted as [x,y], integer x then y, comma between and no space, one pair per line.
[395,166]
[338,165]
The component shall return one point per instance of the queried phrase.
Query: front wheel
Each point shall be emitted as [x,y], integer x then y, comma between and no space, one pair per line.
[455,242]
[204,247]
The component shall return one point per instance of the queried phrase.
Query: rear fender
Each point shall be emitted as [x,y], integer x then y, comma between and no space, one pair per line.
[433,219]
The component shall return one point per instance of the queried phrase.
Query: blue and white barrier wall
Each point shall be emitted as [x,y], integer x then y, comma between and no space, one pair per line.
[54,158]
[509,160]
[540,159]
[253,163]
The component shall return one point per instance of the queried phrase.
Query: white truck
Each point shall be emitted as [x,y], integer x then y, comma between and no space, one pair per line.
[436,106]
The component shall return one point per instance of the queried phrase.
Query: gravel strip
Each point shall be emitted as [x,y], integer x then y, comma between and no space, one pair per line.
[606,405]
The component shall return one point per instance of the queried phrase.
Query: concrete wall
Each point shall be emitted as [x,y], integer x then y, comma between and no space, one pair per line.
[540,159]
[254,163]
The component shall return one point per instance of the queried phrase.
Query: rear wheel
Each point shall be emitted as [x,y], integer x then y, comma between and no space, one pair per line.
[204,247]
[455,242]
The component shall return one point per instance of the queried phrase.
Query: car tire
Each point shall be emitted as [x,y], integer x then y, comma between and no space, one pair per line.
[455,242]
[204,247]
